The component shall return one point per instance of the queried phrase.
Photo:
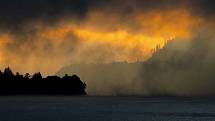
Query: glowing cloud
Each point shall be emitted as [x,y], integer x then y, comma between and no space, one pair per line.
[103,37]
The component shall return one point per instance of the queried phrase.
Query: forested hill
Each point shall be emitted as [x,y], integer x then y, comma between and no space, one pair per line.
[181,68]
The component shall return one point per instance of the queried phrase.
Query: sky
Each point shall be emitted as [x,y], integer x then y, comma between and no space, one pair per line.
[45,35]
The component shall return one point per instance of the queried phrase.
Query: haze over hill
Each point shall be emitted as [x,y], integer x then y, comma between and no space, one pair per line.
[182,68]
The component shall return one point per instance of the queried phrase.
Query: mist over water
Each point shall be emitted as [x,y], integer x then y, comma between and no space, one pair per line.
[119,78]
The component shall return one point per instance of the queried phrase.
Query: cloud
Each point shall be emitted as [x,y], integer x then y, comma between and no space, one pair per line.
[54,33]
[14,14]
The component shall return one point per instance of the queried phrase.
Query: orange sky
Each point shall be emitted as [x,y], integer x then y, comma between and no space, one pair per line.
[101,38]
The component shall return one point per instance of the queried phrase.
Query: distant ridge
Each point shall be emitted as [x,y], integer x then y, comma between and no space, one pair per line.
[180,68]
[17,84]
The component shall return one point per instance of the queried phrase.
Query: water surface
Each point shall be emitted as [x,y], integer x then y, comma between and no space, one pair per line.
[65,108]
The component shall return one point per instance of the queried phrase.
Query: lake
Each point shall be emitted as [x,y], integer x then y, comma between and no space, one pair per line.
[87,108]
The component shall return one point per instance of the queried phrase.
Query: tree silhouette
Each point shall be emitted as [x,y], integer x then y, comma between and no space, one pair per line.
[8,72]
[27,76]
[18,84]
[37,76]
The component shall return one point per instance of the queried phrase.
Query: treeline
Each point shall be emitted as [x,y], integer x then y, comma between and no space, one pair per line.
[17,84]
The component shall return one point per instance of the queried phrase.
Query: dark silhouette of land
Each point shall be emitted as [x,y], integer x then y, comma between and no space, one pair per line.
[17,84]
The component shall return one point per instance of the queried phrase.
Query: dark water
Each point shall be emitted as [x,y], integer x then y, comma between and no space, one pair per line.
[106,109]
